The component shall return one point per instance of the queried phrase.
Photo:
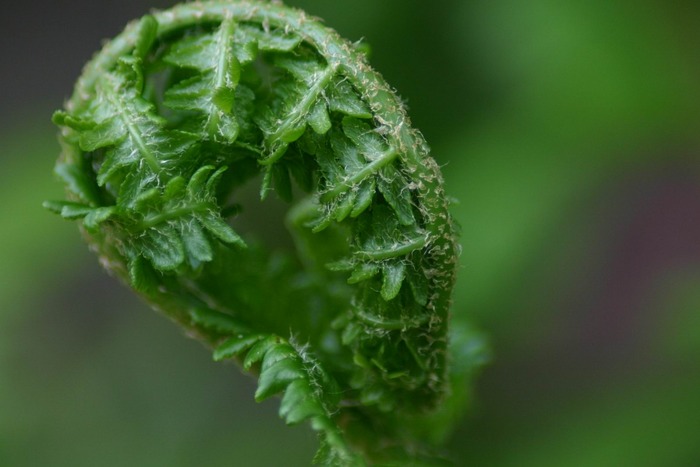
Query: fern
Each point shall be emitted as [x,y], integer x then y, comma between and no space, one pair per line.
[183,110]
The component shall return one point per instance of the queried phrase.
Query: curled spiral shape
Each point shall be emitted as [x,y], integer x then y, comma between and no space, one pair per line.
[168,126]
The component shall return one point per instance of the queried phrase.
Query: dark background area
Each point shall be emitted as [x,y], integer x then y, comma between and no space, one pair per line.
[568,131]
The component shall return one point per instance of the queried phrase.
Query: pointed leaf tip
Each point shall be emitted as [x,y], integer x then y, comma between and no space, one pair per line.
[220,229]
[277,377]
[148,31]
[235,346]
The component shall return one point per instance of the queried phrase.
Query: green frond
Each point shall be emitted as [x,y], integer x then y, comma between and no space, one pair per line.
[166,127]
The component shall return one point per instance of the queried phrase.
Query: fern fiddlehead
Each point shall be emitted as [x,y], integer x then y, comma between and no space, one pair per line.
[171,121]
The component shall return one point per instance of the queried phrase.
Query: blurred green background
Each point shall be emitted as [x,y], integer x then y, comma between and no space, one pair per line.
[568,131]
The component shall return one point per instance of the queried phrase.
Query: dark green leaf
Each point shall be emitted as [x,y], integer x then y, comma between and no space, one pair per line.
[78,182]
[419,285]
[282,182]
[394,187]
[303,173]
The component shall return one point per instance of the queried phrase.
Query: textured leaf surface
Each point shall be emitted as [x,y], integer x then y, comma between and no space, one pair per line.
[170,124]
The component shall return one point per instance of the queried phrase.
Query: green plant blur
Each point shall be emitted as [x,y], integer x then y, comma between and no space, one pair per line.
[568,133]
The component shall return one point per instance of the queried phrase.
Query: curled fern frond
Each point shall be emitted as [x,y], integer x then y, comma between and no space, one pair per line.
[168,126]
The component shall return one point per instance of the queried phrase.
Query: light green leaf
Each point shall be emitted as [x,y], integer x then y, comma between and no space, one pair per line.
[223,99]
[343,208]
[220,229]
[97,216]
[211,93]
[142,276]
[299,403]
[190,94]
[218,322]
[67,209]
[368,141]
[319,120]
[281,351]
[163,247]
[303,68]
[192,52]
[148,30]
[106,133]
[198,181]
[344,99]
[363,272]
[258,351]
[342,265]
[148,200]
[365,195]
[196,244]
[175,188]
[277,377]
[277,41]
[234,346]
[394,274]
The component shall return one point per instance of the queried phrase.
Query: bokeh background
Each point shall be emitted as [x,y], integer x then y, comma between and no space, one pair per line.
[568,131]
